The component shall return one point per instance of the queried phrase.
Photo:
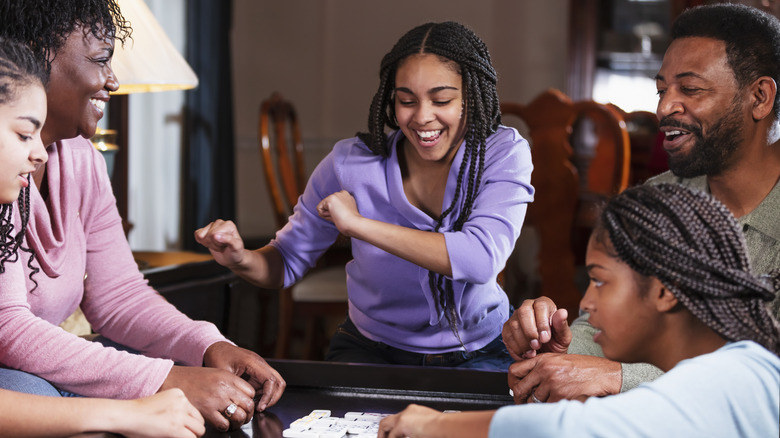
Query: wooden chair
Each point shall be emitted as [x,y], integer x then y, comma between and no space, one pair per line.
[555,179]
[562,205]
[323,290]
[646,158]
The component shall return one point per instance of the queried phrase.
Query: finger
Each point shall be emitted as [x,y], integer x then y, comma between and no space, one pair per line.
[273,387]
[195,421]
[529,377]
[514,347]
[543,311]
[527,325]
[561,331]
[387,424]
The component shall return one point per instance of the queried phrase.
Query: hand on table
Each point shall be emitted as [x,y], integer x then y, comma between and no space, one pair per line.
[211,391]
[250,366]
[341,209]
[551,377]
[223,241]
[162,415]
[410,422]
[537,326]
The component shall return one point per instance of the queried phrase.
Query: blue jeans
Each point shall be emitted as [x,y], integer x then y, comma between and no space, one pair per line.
[21,381]
[349,345]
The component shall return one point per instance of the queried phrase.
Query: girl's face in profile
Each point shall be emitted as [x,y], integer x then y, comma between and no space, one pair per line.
[429,107]
[624,315]
[21,149]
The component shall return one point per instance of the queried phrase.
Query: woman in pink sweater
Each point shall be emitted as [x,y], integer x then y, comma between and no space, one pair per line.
[82,257]
[22,113]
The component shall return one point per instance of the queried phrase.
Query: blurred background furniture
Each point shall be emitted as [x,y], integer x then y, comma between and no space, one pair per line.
[647,155]
[568,183]
[322,292]
[548,120]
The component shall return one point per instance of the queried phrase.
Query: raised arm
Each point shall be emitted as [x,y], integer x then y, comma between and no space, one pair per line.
[423,248]
[263,267]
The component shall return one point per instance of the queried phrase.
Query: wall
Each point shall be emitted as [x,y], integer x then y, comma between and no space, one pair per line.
[324,56]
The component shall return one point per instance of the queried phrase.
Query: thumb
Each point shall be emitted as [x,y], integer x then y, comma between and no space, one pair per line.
[560,330]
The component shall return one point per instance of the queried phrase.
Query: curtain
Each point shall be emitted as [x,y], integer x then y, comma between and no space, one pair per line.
[209,187]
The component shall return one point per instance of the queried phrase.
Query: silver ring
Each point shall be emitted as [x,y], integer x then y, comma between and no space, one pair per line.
[231,409]
[536,400]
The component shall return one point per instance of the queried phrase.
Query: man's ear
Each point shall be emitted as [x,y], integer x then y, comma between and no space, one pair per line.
[762,93]
[665,301]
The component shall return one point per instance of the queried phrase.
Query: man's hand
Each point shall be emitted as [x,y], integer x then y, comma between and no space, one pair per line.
[250,366]
[551,377]
[537,326]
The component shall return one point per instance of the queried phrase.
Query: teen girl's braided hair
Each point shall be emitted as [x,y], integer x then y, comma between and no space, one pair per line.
[43,25]
[18,68]
[451,42]
[694,246]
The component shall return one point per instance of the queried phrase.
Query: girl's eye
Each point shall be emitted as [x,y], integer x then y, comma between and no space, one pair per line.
[23,137]
[442,102]
[597,283]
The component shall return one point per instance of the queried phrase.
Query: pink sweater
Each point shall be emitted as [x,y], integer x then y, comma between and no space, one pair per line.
[85,260]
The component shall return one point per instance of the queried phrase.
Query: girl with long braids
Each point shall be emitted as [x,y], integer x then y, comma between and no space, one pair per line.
[22,114]
[433,209]
[671,285]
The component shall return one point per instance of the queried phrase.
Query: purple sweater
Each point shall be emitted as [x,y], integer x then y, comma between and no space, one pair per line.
[389,298]
[85,260]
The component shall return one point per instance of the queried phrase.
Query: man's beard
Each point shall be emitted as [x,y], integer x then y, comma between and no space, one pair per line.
[709,155]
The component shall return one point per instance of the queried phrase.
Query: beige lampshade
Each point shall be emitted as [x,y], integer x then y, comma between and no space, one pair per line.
[148,61]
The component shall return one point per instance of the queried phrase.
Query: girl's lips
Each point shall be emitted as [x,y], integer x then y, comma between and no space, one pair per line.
[428,138]
[596,336]
[24,181]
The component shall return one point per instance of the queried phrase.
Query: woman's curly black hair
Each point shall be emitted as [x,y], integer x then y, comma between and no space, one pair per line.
[18,69]
[43,25]
[455,43]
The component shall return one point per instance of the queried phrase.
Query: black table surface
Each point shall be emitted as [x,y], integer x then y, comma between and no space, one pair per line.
[342,388]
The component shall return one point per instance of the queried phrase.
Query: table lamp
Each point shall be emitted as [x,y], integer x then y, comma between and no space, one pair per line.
[147,62]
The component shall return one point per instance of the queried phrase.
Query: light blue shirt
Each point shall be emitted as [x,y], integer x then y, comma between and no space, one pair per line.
[389,298]
[732,392]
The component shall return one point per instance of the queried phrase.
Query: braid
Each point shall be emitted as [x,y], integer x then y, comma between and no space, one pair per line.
[454,43]
[694,246]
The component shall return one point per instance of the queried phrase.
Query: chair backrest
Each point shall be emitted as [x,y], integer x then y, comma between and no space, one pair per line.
[549,118]
[644,136]
[565,182]
[606,169]
[281,151]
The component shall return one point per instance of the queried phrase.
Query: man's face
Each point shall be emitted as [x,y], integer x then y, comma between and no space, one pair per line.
[700,107]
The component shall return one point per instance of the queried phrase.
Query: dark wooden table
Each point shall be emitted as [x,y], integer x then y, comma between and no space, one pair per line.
[372,388]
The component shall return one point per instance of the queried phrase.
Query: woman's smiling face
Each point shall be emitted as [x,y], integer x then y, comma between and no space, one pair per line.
[429,106]
[81,78]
